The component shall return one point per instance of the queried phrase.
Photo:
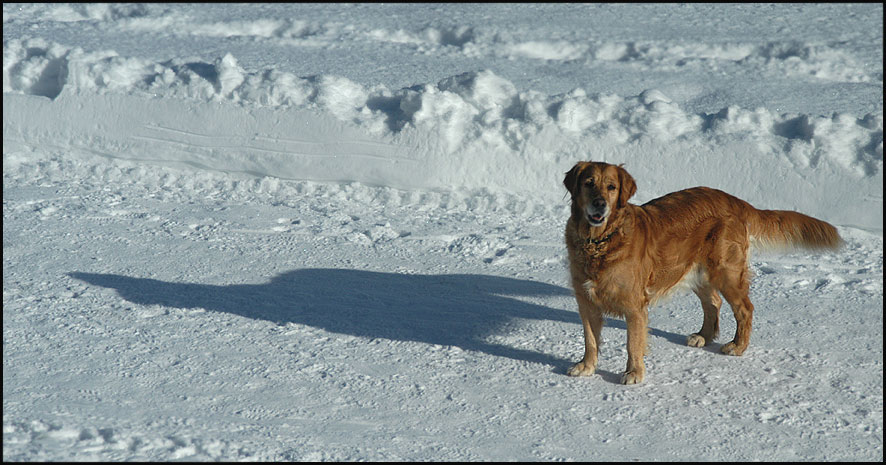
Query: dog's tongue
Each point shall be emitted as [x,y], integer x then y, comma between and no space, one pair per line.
[597,218]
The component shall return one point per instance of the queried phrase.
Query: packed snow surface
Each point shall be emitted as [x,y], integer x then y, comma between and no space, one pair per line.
[334,232]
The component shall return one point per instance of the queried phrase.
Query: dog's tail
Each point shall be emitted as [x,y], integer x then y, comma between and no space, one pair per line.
[777,229]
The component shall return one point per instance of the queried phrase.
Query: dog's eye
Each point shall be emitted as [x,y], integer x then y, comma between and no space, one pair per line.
[611,187]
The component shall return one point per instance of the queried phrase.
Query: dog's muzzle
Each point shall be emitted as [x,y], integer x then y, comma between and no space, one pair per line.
[597,212]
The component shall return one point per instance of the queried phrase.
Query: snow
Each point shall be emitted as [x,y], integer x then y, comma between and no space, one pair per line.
[334,232]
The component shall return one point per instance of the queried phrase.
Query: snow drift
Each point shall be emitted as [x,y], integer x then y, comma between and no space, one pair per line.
[470,131]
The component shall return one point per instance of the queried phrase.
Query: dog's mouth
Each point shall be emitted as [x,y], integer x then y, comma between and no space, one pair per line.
[596,219]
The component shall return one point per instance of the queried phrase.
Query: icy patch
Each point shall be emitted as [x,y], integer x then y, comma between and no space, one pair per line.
[543,50]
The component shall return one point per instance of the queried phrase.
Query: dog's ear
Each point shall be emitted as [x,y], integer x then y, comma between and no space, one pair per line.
[571,180]
[628,186]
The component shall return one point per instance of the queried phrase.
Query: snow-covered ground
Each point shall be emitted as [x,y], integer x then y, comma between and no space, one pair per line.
[334,232]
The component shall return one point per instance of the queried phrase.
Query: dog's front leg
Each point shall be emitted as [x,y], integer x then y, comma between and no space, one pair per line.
[592,322]
[637,323]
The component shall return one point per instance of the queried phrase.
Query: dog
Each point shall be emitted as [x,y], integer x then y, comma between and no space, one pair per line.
[623,257]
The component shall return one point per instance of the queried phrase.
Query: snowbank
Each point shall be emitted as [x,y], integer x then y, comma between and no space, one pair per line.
[470,131]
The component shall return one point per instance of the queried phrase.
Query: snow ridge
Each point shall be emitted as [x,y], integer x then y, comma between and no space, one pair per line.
[475,119]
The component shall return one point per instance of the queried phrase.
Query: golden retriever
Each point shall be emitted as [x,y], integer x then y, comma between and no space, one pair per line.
[622,257]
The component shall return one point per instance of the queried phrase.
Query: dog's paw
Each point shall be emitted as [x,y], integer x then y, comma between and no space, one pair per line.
[696,340]
[732,348]
[581,369]
[633,377]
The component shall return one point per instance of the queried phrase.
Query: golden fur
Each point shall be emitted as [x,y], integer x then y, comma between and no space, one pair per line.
[622,257]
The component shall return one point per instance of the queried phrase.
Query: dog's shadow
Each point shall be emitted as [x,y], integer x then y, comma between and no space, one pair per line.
[461,310]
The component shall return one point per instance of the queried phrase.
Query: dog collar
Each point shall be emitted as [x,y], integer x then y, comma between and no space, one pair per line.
[603,239]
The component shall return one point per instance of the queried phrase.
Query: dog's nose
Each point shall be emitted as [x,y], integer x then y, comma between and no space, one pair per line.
[598,203]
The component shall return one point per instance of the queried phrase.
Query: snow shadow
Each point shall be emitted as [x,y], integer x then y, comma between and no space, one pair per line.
[461,310]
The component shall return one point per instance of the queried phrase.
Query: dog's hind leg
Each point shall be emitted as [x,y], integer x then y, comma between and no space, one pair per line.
[734,282]
[710,327]
[728,273]
[743,309]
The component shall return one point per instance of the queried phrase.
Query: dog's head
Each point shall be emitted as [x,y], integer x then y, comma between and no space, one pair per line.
[598,190]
